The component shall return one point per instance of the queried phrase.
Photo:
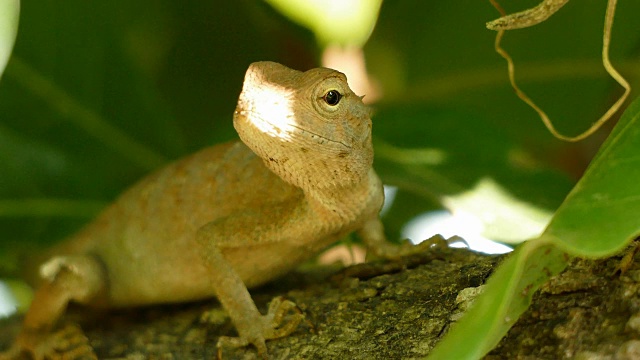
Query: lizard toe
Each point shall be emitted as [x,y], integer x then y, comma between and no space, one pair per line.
[281,320]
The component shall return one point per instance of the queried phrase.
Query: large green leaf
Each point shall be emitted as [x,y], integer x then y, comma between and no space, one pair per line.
[590,222]
[601,214]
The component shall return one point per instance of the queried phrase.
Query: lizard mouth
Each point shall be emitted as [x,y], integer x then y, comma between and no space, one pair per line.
[315,136]
[285,131]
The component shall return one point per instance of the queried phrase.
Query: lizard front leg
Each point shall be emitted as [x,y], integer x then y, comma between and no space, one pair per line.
[78,278]
[253,327]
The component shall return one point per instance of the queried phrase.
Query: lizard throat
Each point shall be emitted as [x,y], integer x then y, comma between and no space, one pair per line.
[348,202]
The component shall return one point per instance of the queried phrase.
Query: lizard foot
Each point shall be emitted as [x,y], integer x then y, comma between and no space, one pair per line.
[436,241]
[68,343]
[281,320]
[406,248]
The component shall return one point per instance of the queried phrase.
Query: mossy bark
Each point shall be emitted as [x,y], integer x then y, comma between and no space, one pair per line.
[390,310]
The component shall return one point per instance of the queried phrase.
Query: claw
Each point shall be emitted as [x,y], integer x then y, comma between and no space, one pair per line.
[69,343]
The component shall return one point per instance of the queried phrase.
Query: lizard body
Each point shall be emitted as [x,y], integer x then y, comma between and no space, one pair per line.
[134,247]
[230,216]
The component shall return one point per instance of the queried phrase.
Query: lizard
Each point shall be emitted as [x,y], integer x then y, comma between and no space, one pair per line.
[229,217]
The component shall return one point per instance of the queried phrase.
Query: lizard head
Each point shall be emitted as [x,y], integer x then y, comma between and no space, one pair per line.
[308,127]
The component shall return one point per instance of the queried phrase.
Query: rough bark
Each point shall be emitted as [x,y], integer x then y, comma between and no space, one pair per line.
[394,310]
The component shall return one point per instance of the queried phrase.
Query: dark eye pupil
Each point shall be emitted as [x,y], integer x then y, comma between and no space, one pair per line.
[332,97]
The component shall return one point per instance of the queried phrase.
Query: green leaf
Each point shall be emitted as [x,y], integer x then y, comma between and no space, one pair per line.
[506,296]
[597,219]
[9,16]
[601,214]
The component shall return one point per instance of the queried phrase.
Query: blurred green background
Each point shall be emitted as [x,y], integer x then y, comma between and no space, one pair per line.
[99,93]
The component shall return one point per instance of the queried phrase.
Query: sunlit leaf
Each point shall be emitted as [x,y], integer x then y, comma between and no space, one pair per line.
[470,166]
[333,21]
[600,215]
[9,15]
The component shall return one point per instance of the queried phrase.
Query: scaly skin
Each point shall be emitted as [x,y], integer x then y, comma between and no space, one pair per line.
[231,216]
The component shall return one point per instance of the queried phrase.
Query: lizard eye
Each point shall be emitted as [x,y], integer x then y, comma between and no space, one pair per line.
[332,97]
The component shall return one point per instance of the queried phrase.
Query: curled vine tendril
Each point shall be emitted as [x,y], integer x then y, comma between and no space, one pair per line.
[535,16]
